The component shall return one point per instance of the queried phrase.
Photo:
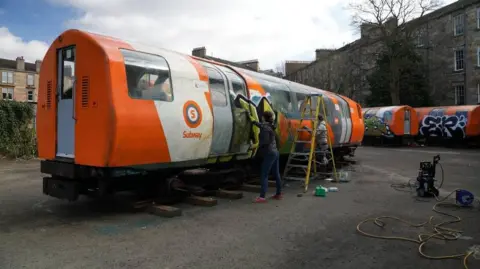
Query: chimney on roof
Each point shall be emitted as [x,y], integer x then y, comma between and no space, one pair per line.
[322,53]
[199,52]
[294,66]
[252,64]
[20,63]
[38,65]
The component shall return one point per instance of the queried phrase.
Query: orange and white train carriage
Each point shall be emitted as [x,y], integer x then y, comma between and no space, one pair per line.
[108,108]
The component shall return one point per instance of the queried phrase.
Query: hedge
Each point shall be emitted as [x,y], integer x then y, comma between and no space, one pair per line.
[17,133]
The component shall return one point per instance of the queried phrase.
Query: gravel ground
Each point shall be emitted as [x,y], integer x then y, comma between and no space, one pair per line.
[37,231]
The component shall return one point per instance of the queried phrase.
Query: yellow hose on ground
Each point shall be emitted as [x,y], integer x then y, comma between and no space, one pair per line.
[439,231]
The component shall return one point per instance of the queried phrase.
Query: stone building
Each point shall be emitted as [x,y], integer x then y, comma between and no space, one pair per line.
[250,64]
[19,80]
[448,39]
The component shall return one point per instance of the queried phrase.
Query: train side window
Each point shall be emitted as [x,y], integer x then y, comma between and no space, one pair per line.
[238,85]
[217,87]
[148,76]
[329,106]
[301,98]
[68,72]
[280,96]
[387,116]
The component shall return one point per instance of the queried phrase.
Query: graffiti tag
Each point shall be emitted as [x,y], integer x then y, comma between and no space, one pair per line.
[375,126]
[444,126]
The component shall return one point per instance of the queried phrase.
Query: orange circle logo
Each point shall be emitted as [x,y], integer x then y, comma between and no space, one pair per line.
[192,114]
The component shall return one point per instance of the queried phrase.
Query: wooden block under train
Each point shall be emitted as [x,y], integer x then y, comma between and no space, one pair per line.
[234,195]
[165,211]
[201,201]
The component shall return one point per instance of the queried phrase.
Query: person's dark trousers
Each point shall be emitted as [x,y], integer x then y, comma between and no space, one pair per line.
[271,162]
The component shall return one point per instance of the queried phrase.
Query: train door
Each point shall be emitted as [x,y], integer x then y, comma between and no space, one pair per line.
[406,123]
[332,117]
[222,112]
[241,123]
[345,119]
[66,102]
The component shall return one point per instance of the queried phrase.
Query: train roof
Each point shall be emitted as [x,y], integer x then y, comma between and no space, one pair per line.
[463,107]
[108,42]
[379,107]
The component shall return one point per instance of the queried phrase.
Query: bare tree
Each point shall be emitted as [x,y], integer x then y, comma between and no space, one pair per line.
[280,68]
[388,21]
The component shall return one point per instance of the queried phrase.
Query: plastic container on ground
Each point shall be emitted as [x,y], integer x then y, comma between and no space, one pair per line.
[343,176]
[320,191]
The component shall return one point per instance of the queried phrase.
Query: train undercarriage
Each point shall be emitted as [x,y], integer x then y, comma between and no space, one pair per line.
[69,181]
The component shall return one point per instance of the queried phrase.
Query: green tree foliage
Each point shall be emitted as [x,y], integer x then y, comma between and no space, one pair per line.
[411,83]
[17,135]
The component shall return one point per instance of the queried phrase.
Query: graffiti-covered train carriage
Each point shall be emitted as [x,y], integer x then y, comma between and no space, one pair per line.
[389,125]
[430,125]
[109,110]
[449,124]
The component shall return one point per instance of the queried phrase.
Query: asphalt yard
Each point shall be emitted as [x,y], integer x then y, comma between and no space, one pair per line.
[37,231]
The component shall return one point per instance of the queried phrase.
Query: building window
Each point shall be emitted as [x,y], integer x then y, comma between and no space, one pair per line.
[7,93]
[458,25]
[478,18]
[458,59]
[419,36]
[478,93]
[30,78]
[459,95]
[30,95]
[7,77]
[478,56]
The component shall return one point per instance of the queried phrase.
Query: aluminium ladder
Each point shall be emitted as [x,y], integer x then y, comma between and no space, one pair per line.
[313,109]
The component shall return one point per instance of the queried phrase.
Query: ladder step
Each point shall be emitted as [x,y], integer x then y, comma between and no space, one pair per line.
[303,141]
[300,153]
[305,153]
[294,178]
[308,118]
[297,159]
[297,165]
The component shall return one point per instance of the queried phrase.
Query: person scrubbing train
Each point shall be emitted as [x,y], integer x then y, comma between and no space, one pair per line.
[268,151]
[321,138]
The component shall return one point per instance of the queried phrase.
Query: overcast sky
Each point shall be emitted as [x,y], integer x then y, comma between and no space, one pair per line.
[269,30]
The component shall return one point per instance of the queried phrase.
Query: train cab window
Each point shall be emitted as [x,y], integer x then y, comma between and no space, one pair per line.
[217,87]
[148,76]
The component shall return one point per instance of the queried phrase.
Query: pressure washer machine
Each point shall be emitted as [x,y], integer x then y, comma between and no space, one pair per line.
[426,178]
[426,184]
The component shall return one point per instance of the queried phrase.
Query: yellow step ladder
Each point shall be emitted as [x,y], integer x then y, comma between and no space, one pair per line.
[314,109]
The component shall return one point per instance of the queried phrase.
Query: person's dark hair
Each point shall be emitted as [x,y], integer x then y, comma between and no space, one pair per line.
[268,115]
[320,117]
